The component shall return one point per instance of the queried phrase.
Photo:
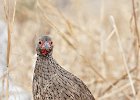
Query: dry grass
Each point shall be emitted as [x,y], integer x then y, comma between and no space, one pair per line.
[10,23]
[104,55]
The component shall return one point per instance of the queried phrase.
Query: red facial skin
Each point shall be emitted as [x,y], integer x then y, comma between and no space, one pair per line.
[44,52]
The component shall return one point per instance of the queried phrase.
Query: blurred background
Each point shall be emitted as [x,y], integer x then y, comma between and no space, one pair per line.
[96,40]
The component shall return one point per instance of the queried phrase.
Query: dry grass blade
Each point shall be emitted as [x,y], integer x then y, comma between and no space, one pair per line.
[116,91]
[13,17]
[9,30]
[68,23]
[6,10]
[135,20]
[54,26]
[115,82]
[136,33]
[123,55]
[110,35]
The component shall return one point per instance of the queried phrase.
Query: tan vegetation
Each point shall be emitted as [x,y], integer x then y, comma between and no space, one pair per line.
[97,40]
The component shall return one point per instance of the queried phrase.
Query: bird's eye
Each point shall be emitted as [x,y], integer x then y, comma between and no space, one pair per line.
[51,42]
[39,42]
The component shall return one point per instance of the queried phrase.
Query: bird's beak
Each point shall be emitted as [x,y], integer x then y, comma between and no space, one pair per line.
[46,45]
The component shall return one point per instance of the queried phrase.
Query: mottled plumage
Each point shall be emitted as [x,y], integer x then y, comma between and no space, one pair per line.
[52,82]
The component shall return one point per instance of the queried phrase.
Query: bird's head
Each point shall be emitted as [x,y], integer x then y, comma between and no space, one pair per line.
[44,46]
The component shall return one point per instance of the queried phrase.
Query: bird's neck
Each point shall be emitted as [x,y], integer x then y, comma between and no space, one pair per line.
[44,64]
[46,57]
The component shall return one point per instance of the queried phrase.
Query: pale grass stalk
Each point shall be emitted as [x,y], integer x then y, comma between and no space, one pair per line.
[13,17]
[110,35]
[108,38]
[54,26]
[101,76]
[137,37]
[69,23]
[60,14]
[92,66]
[123,55]
[136,22]
[121,78]
[6,10]
[103,54]
[10,29]
[118,90]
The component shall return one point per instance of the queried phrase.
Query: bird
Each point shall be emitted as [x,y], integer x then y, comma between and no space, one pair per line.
[51,81]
